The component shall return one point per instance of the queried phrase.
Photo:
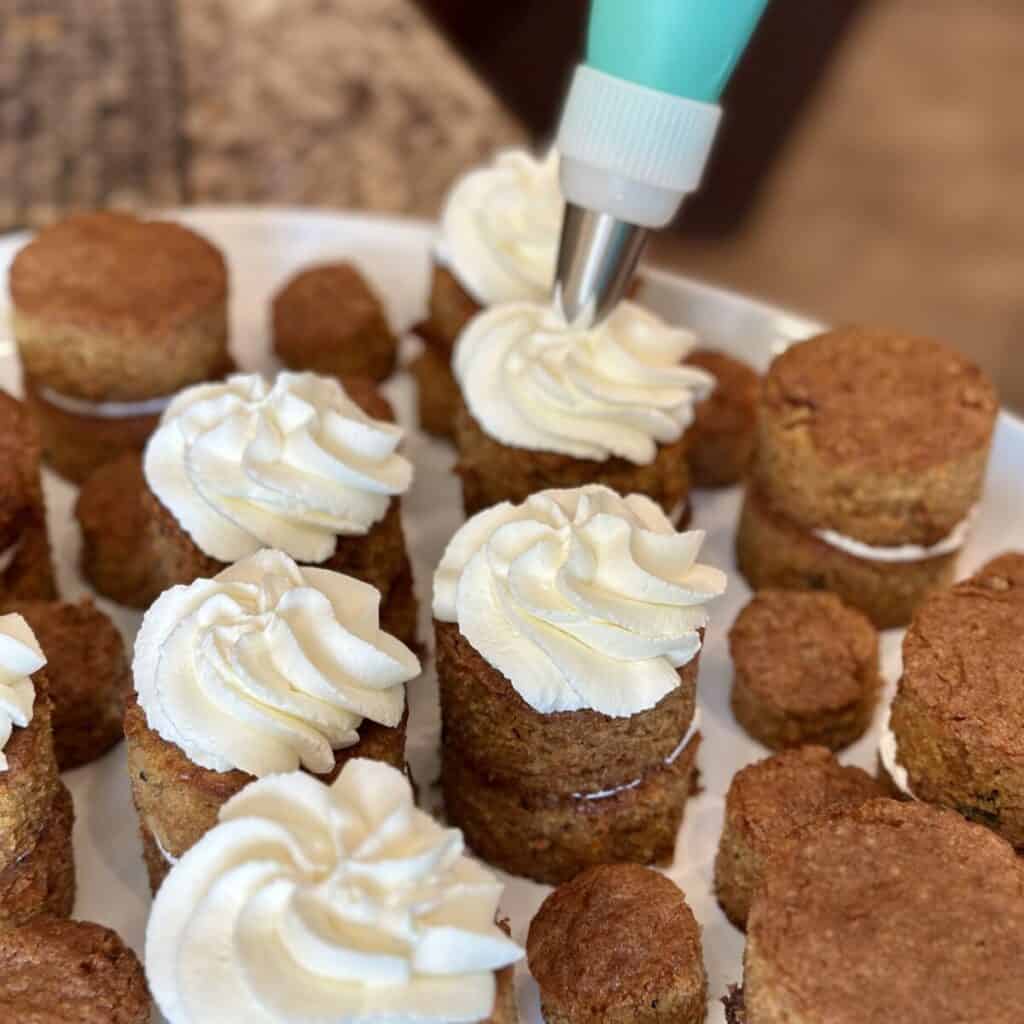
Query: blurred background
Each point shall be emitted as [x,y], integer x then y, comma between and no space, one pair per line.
[870,167]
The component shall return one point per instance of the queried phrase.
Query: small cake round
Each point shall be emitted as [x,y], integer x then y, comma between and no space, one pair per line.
[25,567]
[54,971]
[437,391]
[767,803]
[872,444]
[891,912]
[87,674]
[618,943]
[329,320]
[958,718]
[112,315]
[553,405]
[805,670]
[721,440]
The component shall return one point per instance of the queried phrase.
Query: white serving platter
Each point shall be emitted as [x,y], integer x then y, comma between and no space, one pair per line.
[263,247]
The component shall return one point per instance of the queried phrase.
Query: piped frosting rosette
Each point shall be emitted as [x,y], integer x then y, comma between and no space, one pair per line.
[581,598]
[314,903]
[20,657]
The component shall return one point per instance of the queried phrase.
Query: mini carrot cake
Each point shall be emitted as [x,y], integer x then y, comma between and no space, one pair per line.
[568,633]
[956,732]
[872,450]
[294,464]
[618,943]
[891,912]
[722,437]
[547,405]
[70,972]
[329,903]
[25,567]
[329,320]
[497,243]
[767,803]
[805,670]
[88,676]
[266,668]
[112,315]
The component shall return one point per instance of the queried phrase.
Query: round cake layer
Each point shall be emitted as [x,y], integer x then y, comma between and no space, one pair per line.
[20,453]
[437,392]
[958,716]
[110,307]
[492,472]
[773,552]
[449,308]
[618,943]
[879,436]
[767,803]
[507,742]
[551,839]
[806,669]
[893,912]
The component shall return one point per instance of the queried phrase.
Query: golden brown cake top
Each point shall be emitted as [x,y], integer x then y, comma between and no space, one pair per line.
[882,400]
[893,912]
[780,794]
[325,303]
[55,971]
[615,931]
[733,403]
[115,273]
[963,656]
[19,464]
[804,651]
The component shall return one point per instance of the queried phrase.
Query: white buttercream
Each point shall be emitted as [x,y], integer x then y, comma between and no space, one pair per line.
[500,227]
[954,541]
[532,381]
[246,464]
[20,656]
[268,666]
[105,410]
[580,598]
[8,554]
[889,754]
[309,903]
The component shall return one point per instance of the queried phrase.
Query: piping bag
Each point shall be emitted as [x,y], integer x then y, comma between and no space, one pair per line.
[637,129]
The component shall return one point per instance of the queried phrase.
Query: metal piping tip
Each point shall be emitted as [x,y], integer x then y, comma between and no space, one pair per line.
[597,256]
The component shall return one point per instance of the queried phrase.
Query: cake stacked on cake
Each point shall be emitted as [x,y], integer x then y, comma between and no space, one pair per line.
[568,634]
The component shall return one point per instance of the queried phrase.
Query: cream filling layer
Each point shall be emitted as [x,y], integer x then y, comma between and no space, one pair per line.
[889,754]
[105,410]
[952,542]
[8,555]
[603,794]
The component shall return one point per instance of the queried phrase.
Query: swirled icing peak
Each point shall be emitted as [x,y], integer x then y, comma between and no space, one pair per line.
[268,666]
[309,903]
[581,598]
[246,464]
[500,225]
[20,656]
[533,381]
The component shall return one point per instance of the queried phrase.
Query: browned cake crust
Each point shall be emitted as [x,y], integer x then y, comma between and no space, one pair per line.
[773,552]
[506,1009]
[958,716]
[329,320]
[492,472]
[42,882]
[880,436]
[88,676]
[437,392]
[722,437]
[806,669]
[54,971]
[770,800]
[449,308]
[115,559]
[29,785]
[893,912]
[110,307]
[618,943]
[177,801]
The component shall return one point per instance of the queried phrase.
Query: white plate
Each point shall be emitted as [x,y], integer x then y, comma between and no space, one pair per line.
[263,247]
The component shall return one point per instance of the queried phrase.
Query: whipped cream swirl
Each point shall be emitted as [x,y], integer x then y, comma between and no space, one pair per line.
[246,464]
[500,226]
[268,666]
[309,903]
[20,656]
[533,381]
[581,598]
